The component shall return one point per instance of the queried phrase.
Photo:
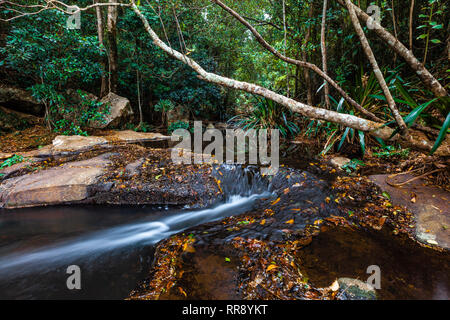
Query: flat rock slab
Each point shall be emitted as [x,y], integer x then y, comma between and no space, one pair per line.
[430,205]
[131,136]
[81,143]
[68,183]
[75,143]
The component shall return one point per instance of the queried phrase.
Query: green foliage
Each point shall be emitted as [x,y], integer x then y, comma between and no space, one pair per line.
[390,151]
[430,24]
[442,134]
[68,128]
[178,125]
[12,160]
[353,165]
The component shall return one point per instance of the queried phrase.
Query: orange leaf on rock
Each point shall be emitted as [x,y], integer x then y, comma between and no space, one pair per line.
[275,202]
[270,267]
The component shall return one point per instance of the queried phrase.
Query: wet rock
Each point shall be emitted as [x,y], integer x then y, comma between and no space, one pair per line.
[65,184]
[20,100]
[339,162]
[120,112]
[5,155]
[76,143]
[133,169]
[430,206]
[354,289]
[130,136]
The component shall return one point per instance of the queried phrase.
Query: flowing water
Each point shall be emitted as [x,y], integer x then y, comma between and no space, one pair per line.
[113,246]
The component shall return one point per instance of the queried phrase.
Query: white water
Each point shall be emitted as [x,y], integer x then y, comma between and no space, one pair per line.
[139,233]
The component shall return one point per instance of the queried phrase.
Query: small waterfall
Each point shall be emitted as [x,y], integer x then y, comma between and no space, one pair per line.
[238,180]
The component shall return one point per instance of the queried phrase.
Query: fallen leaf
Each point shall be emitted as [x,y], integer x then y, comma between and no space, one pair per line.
[275,202]
[290,221]
[182,291]
[270,267]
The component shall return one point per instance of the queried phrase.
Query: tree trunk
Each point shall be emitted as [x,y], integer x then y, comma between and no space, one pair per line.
[425,76]
[378,74]
[112,42]
[411,15]
[299,63]
[101,44]
[324,53]
[309,94]
[375,129]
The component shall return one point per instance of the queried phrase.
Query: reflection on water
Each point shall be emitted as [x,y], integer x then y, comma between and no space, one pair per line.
[408,271]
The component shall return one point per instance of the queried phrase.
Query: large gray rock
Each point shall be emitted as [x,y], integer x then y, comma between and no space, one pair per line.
[20,100]
[120,112]
[81,143]
[69,183]
[76,143]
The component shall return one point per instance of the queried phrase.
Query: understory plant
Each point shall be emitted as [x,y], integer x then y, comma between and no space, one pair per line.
[267,114]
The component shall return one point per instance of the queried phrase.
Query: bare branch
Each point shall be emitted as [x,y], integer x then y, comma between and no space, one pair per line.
[300,63]
[376,69]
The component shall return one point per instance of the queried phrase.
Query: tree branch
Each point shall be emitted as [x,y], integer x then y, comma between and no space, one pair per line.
[425,76]
[300,63]
[376,69]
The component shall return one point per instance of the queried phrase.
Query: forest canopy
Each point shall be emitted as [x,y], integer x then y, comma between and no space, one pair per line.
[338,68]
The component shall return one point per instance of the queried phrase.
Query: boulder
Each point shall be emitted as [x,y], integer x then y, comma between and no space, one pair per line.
[69,183]
[80,143]
[354,289]
[120,112]
[20,100]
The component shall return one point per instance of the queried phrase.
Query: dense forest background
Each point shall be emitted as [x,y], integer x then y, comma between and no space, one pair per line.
[112,52]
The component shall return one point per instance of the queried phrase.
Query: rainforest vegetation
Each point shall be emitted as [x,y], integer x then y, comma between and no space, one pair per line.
[367,73]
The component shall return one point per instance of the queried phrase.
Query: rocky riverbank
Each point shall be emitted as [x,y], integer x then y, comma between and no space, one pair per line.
[256,255]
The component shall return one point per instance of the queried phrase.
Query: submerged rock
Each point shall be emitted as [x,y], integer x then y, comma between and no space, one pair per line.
[354,289]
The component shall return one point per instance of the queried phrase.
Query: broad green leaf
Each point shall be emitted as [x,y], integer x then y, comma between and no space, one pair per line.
[442,134]
[362,141]
[343,138]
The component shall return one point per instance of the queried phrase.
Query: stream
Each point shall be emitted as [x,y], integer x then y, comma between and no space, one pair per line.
[114,248]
